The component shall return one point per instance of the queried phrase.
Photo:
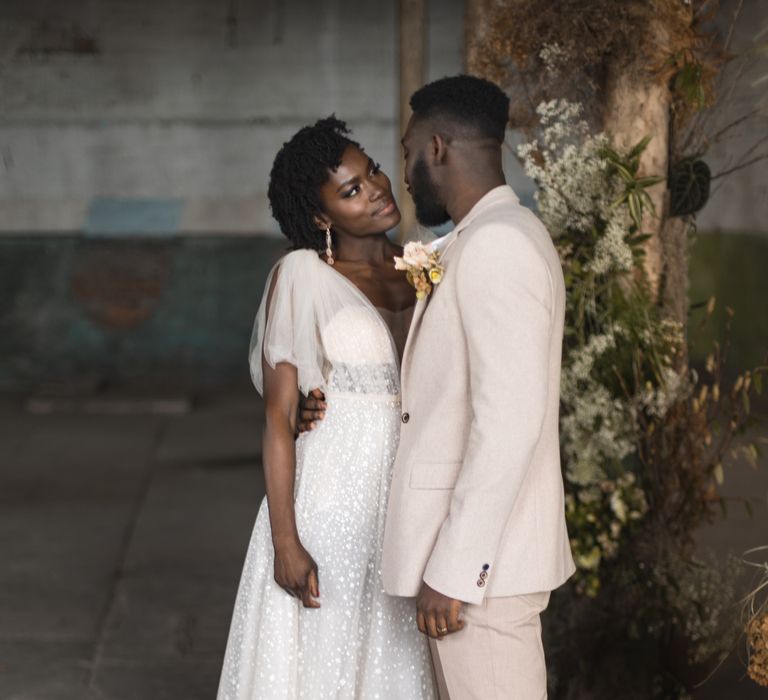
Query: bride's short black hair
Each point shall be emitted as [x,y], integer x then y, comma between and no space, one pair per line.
[466,102]
[301,166]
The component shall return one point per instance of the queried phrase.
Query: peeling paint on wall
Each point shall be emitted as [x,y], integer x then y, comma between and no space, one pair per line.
[112,216]
[92,312]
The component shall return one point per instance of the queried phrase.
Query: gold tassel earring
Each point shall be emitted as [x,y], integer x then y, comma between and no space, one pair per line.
[328,248]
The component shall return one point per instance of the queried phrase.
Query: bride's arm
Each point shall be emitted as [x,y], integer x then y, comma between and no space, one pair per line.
[295,570]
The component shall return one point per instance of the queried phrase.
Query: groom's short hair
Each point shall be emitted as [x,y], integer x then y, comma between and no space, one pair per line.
[472,105]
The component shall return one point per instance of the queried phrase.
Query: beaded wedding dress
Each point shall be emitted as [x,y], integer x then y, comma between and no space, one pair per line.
[361,643]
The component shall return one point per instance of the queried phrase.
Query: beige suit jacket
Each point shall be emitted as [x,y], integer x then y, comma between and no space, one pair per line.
[476,503]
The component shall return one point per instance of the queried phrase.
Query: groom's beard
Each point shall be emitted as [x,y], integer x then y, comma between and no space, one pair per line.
[430,211]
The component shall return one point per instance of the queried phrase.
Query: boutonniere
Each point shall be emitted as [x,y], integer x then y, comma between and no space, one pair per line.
[422,266]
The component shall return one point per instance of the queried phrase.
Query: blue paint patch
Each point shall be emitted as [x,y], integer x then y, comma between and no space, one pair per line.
[109,216]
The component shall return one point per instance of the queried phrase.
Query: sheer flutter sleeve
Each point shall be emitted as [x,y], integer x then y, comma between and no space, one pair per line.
[288,331]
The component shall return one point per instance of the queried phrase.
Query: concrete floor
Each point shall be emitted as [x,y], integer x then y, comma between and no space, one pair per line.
[122,538]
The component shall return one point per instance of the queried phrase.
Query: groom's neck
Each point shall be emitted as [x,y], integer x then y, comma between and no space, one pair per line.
[470,184]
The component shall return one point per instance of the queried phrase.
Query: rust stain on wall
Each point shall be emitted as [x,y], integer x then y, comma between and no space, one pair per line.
[120,287]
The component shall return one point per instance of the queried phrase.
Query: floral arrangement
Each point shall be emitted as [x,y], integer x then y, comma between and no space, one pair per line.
[757,637]
[422,266]
[580,200]
[756,613]
[644,437]
[541,49]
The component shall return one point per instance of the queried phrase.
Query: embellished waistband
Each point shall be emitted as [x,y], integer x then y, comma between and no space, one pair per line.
[367,379]
[393,399]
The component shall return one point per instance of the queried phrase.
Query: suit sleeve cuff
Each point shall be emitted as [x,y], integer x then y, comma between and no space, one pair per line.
[466,586]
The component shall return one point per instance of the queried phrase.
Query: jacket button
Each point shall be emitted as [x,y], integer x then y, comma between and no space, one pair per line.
[480,583]
[406,417]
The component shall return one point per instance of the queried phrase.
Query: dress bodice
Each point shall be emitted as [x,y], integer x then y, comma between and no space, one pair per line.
[321,323]
[361,354]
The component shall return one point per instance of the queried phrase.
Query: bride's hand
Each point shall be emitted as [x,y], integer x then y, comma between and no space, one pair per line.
[296,573]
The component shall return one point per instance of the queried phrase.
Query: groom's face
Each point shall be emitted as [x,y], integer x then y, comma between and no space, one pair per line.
[429,204]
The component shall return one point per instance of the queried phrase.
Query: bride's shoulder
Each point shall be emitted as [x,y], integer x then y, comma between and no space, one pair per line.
[301,256]
[297,263]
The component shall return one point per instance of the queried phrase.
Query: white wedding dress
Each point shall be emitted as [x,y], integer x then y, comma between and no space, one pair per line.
[361,643]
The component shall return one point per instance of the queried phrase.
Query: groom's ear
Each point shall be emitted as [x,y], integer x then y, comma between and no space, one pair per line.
[438,148]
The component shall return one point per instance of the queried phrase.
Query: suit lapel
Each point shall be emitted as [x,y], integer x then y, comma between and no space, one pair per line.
[442,244]
[418,312]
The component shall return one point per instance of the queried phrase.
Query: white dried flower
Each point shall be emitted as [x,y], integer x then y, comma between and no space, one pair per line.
[612,252]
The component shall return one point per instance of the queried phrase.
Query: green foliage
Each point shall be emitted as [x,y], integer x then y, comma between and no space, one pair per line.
[634,194]
[644,439]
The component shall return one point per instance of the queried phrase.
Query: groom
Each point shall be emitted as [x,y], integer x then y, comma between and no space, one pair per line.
[476,523]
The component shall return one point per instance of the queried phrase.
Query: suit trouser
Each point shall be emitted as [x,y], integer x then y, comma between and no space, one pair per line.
[498,655]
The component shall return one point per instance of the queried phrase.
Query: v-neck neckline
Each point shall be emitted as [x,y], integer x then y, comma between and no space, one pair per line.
[370,304]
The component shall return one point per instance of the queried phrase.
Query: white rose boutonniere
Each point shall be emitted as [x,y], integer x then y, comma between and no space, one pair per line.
[422,266]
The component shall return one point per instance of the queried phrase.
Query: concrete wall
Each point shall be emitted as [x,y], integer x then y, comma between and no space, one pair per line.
[739,202]
[165,116]
[80,314]
[136,138]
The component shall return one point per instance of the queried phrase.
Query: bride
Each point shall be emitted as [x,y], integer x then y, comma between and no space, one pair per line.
[311,619]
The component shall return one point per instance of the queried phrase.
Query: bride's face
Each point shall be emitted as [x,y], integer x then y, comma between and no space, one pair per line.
[357,198]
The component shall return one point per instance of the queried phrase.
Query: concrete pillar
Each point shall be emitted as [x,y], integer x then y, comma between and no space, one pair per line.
[412,53]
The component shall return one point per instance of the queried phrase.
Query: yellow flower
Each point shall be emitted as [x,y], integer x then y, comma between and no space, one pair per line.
[423,287]
[436,274]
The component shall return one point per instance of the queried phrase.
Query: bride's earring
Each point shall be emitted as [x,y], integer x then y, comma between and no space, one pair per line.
[328,246]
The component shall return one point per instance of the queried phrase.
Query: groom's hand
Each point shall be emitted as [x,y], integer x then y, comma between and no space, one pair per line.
[311,409]
[436,614]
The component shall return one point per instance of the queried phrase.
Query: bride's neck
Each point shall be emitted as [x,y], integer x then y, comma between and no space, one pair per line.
[374,249]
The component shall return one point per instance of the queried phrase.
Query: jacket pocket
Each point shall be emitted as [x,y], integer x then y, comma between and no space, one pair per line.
[434,475]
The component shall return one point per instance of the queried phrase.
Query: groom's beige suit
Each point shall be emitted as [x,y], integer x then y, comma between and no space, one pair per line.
[476,505]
